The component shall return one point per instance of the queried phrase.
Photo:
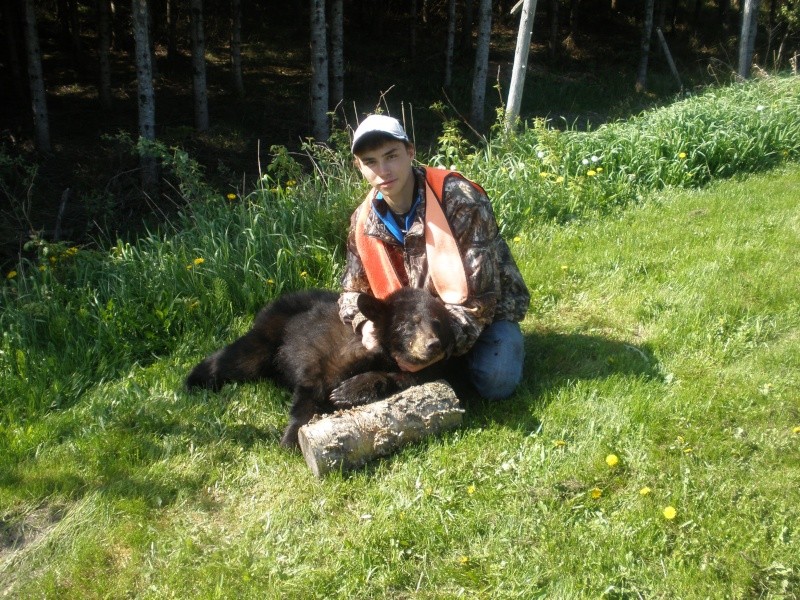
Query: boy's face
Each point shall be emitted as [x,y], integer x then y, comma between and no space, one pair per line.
[387,168]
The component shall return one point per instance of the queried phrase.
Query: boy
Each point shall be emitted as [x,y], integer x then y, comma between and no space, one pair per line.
[429,228]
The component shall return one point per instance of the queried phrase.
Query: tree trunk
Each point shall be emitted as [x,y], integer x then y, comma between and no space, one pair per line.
[199,66]
[103,48]
[337,51]
[41,123]
[172,30]
[236,47]
[412,36]
[647,34]
[146,95]
[350,439]
[451,43]
[520,63]
[553,29]
[481,64]
[747,41]
[319,73]
[574,12]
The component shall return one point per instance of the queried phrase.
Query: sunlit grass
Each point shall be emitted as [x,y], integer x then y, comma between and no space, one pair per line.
[650,452]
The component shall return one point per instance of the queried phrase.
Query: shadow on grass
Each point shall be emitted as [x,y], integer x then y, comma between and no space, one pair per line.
[556,360]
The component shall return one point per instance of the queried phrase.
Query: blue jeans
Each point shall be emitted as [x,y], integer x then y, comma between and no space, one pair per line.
[495,361]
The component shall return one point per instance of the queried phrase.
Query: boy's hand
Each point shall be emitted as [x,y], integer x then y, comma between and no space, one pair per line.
[368,337]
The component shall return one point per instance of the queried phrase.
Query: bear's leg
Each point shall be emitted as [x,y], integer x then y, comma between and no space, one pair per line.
[307,401]
[369,387]
[247,359]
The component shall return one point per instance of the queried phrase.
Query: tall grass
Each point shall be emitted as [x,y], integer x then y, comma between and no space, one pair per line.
[666,337]
[225,255]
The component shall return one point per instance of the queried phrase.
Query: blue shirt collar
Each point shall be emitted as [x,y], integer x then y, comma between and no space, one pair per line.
[388,218]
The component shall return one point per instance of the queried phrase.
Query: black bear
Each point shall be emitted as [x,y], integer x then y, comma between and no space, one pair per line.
[299,341]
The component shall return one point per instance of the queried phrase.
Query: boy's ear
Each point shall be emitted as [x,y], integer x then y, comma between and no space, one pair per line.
[371,307]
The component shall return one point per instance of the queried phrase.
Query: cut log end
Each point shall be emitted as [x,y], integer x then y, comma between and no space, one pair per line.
[347,440]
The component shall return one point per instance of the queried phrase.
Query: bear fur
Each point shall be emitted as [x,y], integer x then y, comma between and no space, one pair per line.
[300,342]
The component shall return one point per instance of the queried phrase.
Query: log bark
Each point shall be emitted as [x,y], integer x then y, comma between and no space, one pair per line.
[349,439]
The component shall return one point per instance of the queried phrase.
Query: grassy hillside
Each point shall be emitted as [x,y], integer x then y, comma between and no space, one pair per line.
[652,450]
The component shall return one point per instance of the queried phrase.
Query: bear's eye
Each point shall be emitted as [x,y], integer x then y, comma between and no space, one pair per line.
[436,325]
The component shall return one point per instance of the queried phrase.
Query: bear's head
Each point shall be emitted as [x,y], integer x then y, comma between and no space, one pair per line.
[412,326]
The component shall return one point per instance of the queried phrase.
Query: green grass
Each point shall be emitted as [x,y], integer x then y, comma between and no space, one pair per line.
[666,333]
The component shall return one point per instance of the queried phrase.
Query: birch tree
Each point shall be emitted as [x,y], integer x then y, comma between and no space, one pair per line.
[520,62]
[747,40]
[199,66]
[319,72]
[236,47]
[481,63]
[103,47]
[146,95]
[337,51]
[451,41]
[41,122]
[647,34]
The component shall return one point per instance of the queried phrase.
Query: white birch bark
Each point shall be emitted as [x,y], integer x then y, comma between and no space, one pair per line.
[747,39]
[103,46]
[319,72]
[349,439]
[647,34]
[451,43]
[199,66]
[481,63]
[41,121]
[337,52]
[146,94]
[520,63]
[236,47]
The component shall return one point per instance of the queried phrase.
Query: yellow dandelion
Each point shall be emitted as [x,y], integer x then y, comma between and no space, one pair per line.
[199,261]
[796,429]
[544,174]
[612,460]
[591,172]
[682,155]
[645,491]
[303,274]
[687,450]
[470,489]
[596,493]
[11,274]
[560,179]
[270,282]
[231,196]
[599,169]
[517,239]
[559,443]
[463,560]
[291,183]
[670,513]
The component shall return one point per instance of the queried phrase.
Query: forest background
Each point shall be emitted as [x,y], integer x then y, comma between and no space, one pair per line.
[585,68]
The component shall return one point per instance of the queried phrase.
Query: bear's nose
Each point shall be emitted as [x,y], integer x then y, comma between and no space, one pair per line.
[433,345]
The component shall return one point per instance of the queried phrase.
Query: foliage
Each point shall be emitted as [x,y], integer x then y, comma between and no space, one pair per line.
[661,375]
[547,173]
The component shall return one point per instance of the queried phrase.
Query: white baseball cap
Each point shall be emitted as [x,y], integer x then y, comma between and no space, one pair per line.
[380,125]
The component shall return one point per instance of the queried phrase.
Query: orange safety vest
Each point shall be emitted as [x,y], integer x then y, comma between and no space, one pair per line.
[445,265]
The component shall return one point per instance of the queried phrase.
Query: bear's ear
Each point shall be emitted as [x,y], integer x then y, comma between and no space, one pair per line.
[371,307]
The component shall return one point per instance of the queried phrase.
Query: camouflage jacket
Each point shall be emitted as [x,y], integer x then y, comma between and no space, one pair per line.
[496,288]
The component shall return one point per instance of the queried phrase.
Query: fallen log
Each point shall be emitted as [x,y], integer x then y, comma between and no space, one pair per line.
[349,439]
